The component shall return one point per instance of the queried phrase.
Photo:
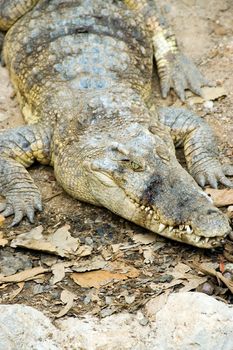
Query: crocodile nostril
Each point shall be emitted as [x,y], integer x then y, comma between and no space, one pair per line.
[212,211]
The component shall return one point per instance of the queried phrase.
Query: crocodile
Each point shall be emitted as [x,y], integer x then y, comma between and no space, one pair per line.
[83,73]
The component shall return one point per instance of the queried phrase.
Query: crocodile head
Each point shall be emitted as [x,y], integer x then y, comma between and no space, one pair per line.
[137,176]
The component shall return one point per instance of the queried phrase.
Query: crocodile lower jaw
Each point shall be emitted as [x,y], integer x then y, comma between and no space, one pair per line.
[181,233]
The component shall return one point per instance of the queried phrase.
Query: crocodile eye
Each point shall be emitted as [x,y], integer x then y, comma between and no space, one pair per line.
[132,164]
[135,166]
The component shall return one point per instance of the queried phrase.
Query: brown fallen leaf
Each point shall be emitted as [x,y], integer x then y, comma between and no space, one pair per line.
[208,93]
[58,271]
[212,272]
[23,275]
[122,267]
[59,242]
[68,299]
[96,263]
[96,278]
[193,283]
[17,291]
[114,271]
[182,275]
[3,241]
[221,198]
[84,250]
[148,255]
[144,238]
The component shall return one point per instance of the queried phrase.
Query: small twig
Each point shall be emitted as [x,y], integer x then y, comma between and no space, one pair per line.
[53,196]
[212,272]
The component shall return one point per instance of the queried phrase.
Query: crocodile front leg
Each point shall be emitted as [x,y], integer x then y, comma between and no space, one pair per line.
[200,148]
[175,69]
[19,148]
[11,10]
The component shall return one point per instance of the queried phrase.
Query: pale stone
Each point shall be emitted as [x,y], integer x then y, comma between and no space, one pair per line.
[115,332]
[187,321]
[192,321]
[23,328]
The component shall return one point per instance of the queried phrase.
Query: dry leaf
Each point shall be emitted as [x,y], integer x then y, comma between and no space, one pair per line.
[96,263]
[68,299]
[114,271]
[208,93]
[213,93]
[144,238]
[17,291]
[58,271]
[221,198]
[23,275]
[180,270]
[204,269]
[193,283]
[60,242]
[3,241]
[122,267]
[148,255]
[96,278]
[84,250]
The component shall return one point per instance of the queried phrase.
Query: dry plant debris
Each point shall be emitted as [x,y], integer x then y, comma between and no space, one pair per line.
[68,299]
[221,198]
[23,275]
[208,94]
[3,241]
[59,242]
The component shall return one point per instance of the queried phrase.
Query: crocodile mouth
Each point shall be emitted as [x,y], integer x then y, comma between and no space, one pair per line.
[211,236]
[184,233]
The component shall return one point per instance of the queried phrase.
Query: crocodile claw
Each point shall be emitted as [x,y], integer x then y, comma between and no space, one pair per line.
[20,205]
[180,73]
[212,175]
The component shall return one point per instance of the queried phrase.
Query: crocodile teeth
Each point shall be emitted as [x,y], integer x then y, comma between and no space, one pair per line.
[161,228]
[197,238]
[142,207]
[181,227]
[206,240]
[188,229]
[147,208]
[170,228]
[151,212]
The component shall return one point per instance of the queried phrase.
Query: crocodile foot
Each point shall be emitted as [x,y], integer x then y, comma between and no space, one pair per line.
[23,202]
[178,72]
[213,173]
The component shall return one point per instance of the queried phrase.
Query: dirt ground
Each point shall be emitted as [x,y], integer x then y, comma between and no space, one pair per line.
[204,30]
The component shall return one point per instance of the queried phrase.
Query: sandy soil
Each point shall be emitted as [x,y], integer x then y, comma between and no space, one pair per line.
[204,29]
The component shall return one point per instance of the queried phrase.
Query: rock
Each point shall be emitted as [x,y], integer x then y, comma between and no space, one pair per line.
[192,321]
[116,332]
[189,321]
[209,105]
[23,327]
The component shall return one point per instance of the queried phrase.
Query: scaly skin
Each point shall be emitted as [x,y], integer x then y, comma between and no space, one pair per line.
[82,72]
